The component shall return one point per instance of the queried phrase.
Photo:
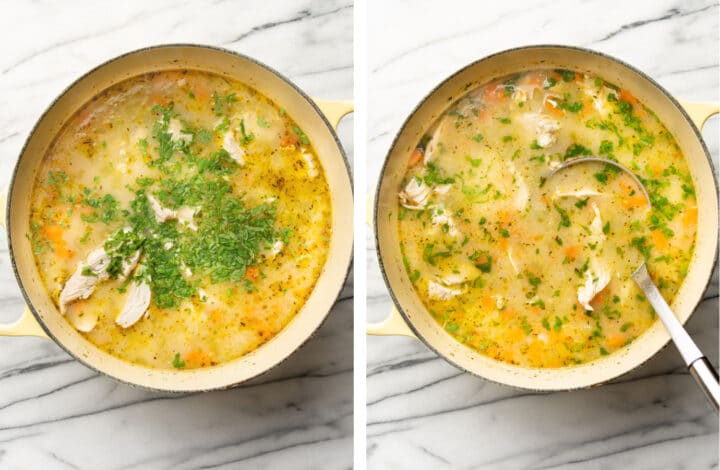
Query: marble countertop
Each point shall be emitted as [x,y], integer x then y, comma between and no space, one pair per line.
[54,412]
[424,413]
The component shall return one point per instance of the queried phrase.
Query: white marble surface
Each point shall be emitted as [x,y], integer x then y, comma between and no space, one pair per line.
[422,412]
[55,413]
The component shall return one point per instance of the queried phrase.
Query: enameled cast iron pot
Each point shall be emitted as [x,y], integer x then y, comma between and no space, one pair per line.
[317,118]
[411,318]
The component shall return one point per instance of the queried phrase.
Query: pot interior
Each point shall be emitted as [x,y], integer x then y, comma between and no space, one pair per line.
[478,73]
[271,85]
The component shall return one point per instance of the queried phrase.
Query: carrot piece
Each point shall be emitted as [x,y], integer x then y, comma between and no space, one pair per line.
[534,79]
[415,157]
[572,251]
[659,240]
[689,218]
[600,298]
[616,341]
[198,357]
[631,202]
[252,272]
[483,115]
[288,140]
[54,233]
[552,107]
[503,243]
[493,93]
[488,302]
[626,96]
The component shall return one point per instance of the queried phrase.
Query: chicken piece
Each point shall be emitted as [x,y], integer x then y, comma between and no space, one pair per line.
[233,148]
[176,133]
[513,263]
[546,131]
[521,193]
[441,218]
[584,192]
[90,273]
[312,170]
[438,291]
[184,215]
[85,278]
[594,284]
[596,226]
[416,194]
[136,304]
[433,145]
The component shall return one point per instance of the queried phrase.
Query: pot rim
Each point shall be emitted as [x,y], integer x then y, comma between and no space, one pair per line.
[29,137]
[402,128]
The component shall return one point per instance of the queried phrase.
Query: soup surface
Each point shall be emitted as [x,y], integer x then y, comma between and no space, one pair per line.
[536,271]
[180,219]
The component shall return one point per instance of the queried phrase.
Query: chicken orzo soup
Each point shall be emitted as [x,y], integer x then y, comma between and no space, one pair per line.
[180,219]
[536,272]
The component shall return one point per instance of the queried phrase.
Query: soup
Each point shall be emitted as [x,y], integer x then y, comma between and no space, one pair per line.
[535,271]
[180,220]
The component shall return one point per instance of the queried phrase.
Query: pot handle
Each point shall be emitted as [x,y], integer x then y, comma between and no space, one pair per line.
[393,324]
[26,325]
[334,110]
[700,111]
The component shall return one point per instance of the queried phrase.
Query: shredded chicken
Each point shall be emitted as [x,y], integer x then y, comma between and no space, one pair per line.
[233,148]
[546,131]
[594,284]
[522,194]
[432,146]
[416,194]
[89,274]
[438,291]
[184,215]
[136,304]
[176,133]
[585,192]
[312,171]
[441,218]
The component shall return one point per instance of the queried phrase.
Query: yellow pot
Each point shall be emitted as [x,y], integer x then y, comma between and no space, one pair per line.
[411,318]
[317,118]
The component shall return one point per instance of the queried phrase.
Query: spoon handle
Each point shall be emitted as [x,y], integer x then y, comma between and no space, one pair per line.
[700,368]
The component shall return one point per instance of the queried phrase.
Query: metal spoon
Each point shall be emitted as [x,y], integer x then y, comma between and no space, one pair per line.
[700,368]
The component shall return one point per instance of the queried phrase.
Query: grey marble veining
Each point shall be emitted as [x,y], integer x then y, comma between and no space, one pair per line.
[424,413]
[54,412]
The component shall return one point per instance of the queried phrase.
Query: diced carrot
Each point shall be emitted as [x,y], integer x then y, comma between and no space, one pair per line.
[626,96]
[198,357]
[600,298]
[552,107]
[689,218]
[572,251]
[507,315]
[534,79]
[493,93]
[503,216]
[215,316]
[587,108]
[415,157]
[488,302]
[288,140]
[54,233]
[503,243]
[659,240]
[579,77]
[484,115]
[157,98]
[637,200]
[616,341]
[252,272]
